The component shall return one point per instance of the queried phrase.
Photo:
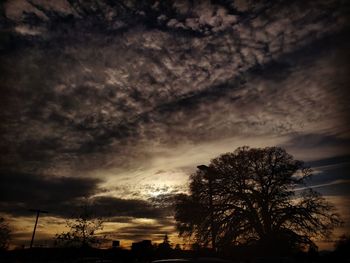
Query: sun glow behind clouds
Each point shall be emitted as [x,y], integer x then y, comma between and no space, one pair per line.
[172,166]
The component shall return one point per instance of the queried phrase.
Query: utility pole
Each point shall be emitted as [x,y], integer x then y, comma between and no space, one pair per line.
[36,222]
[210,173]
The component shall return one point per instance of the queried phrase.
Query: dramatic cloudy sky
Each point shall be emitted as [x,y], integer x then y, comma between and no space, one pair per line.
[117,102]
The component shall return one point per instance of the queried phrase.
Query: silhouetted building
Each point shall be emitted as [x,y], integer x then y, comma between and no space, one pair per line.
[142,245]
[142,250]
[115,243]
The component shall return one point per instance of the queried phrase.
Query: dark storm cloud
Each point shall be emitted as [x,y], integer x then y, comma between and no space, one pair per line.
[134,208]
[20,192]
[63,197]
[17,187]
[115,209]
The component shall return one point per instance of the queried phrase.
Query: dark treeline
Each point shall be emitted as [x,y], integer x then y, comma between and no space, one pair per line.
[149,252]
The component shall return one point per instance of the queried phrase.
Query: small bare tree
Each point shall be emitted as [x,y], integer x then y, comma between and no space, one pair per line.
[82,230]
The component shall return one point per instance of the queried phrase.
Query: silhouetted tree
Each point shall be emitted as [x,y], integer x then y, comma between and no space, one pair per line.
[166,243]
[4,234]
[82,230]
[250,196]
[164,249]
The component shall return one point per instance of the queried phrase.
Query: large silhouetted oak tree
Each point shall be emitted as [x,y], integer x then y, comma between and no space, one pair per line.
[254,196]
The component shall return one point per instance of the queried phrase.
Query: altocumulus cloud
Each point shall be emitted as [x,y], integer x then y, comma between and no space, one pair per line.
[71,96]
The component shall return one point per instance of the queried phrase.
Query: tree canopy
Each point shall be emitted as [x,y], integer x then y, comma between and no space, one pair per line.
[254,196]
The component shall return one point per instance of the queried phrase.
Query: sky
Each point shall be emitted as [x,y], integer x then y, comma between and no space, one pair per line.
[118,102]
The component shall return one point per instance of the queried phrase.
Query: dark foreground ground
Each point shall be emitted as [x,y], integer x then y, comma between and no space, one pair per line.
[89,255]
